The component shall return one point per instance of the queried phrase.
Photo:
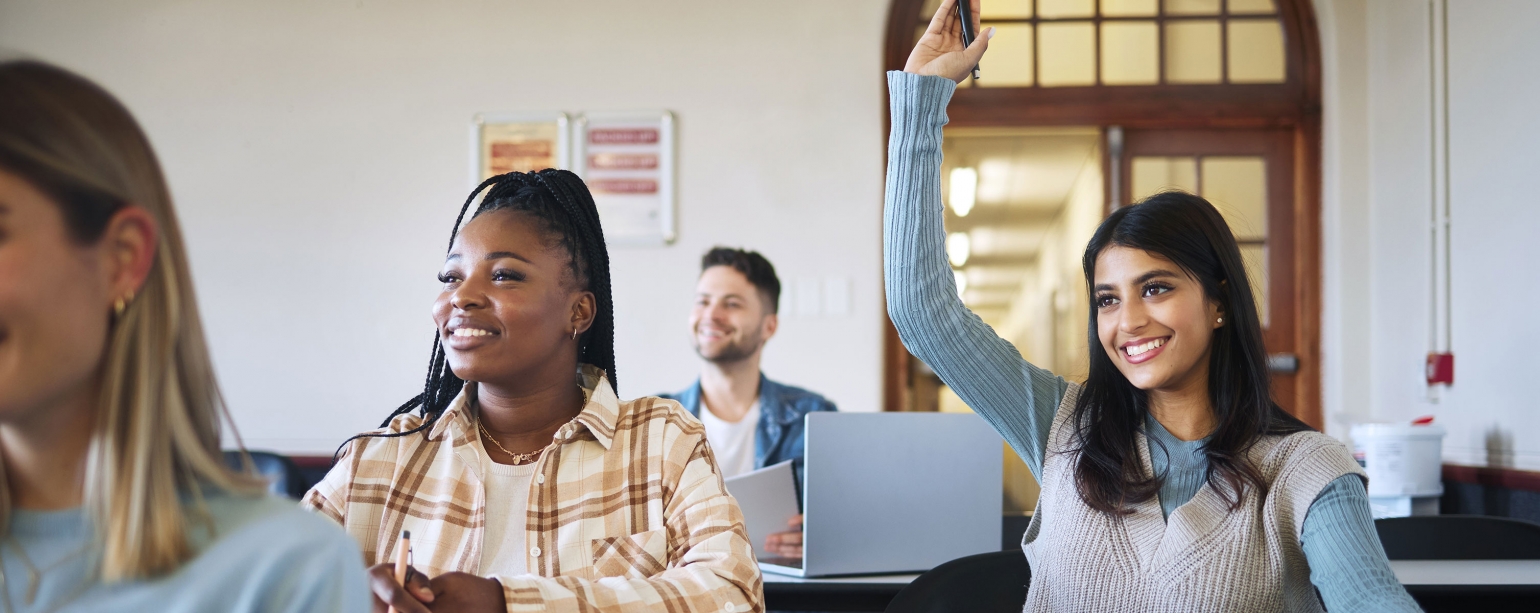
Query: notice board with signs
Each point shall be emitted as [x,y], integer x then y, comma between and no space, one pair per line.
[627,161]
[508,142]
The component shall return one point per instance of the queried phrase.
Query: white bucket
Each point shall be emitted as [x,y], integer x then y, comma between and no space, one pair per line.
[1402,460]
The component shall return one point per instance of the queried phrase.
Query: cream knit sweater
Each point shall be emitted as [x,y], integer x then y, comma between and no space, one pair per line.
[1205,557]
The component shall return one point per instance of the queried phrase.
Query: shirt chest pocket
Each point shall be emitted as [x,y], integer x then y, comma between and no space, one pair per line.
[637,556]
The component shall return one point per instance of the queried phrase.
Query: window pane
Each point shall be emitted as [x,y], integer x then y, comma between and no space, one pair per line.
[1065,8]
[1192,7]
[1250,7]
[1068,52]
[1238,188]
[1130,8]
[1009,61]
[1256,51]
[1130,53]
[1152,175]
[1255,259]
[1192,51]
[1005,9]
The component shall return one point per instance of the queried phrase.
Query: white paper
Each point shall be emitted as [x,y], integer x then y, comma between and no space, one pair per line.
[768,499]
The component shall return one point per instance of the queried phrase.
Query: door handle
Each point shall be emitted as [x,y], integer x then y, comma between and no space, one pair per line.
[1282,363]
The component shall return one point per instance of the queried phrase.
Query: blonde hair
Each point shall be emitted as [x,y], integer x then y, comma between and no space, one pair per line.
[157,433]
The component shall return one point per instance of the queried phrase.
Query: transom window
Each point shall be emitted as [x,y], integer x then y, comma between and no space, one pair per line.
[1077,43]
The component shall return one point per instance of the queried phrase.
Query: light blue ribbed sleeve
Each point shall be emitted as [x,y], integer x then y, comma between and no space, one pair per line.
[987,372]
[1347,561]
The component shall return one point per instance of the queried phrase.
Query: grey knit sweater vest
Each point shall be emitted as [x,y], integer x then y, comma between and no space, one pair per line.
[1205,558]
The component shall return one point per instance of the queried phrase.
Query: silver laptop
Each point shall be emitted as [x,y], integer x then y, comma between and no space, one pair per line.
[896,493]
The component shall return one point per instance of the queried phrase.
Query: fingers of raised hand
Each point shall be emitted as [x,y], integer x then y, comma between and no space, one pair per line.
[940,51]
[943,22]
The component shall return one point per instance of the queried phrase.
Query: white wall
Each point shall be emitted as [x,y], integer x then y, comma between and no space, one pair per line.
[317,152]
[1378,148]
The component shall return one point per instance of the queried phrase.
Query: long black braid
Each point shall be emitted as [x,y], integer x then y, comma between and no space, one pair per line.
[563,205]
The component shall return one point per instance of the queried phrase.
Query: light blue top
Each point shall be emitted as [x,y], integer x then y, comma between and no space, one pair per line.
[266,555]
[1347,563]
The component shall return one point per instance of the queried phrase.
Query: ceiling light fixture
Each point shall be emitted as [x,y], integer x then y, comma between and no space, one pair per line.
[965,189]
[957,248]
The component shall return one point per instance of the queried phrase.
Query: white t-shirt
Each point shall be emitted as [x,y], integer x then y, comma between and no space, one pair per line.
[502,545]
[731,441]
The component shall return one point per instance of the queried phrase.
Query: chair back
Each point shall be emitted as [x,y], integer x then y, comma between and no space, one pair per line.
[1458,537]
[281,473]
[984,583]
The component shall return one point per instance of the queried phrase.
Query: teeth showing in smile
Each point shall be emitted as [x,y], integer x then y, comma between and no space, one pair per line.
[1138,349]
[469,332]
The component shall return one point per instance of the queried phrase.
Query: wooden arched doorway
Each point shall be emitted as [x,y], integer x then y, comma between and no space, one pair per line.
[1219,97]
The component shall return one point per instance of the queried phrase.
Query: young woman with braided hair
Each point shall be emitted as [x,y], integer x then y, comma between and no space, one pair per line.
[526,483]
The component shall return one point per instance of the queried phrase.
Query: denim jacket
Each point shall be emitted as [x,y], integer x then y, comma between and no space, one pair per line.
[778,436]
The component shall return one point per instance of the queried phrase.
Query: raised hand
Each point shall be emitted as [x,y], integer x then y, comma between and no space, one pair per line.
[940,51]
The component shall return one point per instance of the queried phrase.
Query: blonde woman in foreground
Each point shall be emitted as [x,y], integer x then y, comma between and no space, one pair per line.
[116,496]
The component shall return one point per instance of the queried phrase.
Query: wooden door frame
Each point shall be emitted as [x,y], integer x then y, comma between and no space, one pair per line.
[1294,105]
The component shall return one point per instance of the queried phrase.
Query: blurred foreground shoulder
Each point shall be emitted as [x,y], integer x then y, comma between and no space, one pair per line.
[291,560]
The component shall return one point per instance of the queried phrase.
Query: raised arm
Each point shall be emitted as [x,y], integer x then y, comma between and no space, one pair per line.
[986,371]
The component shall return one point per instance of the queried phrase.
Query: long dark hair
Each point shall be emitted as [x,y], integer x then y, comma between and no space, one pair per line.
[560,201]
[1110,411]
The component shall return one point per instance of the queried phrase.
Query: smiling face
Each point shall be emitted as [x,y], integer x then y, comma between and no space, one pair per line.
[729,322]
[1153,319]
[55,300]
[510,303]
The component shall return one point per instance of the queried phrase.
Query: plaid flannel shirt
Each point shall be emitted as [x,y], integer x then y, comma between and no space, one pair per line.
[626,513]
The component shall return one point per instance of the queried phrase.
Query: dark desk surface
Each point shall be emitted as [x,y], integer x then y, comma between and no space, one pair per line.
[786,593]
[1436,584]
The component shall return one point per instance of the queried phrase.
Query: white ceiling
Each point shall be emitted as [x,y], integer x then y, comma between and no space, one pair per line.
[1020,170]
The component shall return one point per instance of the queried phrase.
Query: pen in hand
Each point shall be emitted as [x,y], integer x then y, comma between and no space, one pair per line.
[403,550]
[965,19]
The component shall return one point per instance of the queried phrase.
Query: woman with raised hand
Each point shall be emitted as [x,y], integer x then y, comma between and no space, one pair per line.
[1171,481]
[116,495]
[525,482]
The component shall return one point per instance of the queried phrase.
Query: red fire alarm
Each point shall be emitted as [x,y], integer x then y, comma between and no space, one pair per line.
[1441,368]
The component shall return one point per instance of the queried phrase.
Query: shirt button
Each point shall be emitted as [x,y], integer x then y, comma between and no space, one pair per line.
[540,478]
[534,551]
[730,608]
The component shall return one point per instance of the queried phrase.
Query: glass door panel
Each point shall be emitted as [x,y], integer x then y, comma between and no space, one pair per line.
[1248,176]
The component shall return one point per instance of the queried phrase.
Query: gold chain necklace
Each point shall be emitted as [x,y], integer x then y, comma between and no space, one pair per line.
[518,458]
[34,574]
